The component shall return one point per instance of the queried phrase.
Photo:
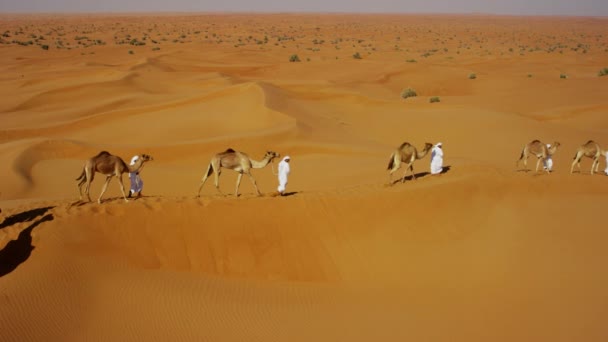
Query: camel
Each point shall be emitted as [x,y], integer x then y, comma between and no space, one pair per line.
[109,165]
[540,150]
[590,149]
[237,161]
[406,153]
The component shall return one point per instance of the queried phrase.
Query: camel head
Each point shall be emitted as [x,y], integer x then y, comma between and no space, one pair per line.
[270,155]
[146,157]
[553,147]
[427,146]
[141,159]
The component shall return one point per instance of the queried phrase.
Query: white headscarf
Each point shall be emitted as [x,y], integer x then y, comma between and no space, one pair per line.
[134,159]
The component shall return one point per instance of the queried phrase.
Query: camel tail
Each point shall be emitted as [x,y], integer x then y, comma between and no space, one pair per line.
[391,162]
[209,170]
[81,175]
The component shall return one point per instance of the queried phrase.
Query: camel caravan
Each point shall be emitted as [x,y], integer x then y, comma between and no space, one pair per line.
[545,152]
[113,166]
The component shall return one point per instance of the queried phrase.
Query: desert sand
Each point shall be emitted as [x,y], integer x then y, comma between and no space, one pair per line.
[483,252]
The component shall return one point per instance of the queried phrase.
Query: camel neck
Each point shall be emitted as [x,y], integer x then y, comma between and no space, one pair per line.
[259,164]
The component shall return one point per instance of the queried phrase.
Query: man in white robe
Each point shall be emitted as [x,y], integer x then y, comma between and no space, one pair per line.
[284,170]
[548,161]
[137,185]
[437,159]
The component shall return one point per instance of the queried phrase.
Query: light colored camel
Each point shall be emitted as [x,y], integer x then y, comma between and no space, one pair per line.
[108,165]
[406,153]
[590,149]
[538,149]
[237,161]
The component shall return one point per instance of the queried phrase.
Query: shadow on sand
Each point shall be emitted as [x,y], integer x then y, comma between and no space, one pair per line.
[25,216]
[18,251]
[418,175]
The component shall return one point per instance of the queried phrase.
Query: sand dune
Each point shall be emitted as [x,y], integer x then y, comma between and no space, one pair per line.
[483,252]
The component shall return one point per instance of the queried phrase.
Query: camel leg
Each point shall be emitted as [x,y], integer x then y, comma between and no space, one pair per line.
[88,187]
[405,173]
[254,184]
[238,182]
[538,164]
[594,165]
[572,166]
[205,176]
[217,180]
[105,186]
[396,166]
[80,183]
[409,167]
[122,188]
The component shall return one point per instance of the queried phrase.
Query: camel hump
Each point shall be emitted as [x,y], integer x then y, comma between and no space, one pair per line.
[229,150]
[590,142]
[103,153]
[404,145]
[535,141]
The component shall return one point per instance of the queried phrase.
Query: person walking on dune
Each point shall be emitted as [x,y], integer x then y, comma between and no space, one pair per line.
[137,184]
[437,159]
[548,161]
[284,170]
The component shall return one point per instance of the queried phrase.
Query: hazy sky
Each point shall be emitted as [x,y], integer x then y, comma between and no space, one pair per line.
[531,7]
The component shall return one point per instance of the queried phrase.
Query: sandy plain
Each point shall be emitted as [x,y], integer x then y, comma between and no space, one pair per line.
[483,252]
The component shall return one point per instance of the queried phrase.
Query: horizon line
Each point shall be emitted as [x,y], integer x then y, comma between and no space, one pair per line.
[224,12]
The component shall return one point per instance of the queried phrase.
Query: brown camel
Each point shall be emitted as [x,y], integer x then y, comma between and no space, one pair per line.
[237,161]
[109,165]
[590,149]
[406,153]
[540,150]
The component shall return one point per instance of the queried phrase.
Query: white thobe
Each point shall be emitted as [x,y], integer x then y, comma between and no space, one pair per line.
[283,174]
[436,160]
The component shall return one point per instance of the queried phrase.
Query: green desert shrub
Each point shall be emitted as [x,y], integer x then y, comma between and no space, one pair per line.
[294,58]
[564,76]
[472,76]
[411,61]
[409,92]
[44,47]
[357,55]
[434,99]
[603,72]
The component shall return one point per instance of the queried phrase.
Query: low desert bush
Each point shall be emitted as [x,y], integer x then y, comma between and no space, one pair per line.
[294,58]
[603,72]
[409,92]
[472,76]
[434,99]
